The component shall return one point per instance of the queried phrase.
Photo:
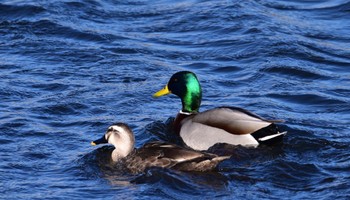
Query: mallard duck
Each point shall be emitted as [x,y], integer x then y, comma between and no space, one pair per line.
[154,154]
[232,125]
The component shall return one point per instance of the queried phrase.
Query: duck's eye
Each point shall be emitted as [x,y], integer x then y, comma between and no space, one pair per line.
[175,80]
[110,129]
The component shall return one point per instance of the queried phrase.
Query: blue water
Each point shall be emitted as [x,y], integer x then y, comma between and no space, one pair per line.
[69,69]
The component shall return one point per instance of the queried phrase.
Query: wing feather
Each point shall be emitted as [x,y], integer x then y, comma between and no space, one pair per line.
[232,119]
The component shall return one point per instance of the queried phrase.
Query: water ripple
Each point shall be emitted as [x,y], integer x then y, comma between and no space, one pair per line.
[71,68]
[14,12]
[299,72]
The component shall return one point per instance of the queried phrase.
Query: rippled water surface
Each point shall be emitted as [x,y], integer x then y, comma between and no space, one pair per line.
[69,69]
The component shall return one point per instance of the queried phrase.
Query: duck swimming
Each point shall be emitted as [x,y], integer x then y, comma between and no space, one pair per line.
[232,125]
[155,154]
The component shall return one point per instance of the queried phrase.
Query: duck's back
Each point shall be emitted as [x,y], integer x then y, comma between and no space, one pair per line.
[230,125]
[165,155]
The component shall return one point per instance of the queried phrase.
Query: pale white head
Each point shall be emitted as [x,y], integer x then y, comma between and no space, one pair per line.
[121,136]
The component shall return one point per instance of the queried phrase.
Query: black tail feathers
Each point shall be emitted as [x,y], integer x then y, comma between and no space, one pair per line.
[269,135]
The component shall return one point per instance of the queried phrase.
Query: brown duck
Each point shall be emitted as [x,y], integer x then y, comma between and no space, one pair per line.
[155,154]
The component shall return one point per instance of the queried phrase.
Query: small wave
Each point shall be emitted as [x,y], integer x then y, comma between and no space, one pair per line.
[297,176]
[184,183]
[309,99]
[327,53]
[300,72]
[51,86]
[226,69]
[50,28]
[334,6]
[60,109]
[123,50]
[163,131]
[5,141]
[15,12]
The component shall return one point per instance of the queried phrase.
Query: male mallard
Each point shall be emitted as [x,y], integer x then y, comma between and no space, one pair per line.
[155,154]
[232,125]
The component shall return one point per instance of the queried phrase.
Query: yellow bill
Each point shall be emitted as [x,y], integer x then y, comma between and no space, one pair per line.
[162,92]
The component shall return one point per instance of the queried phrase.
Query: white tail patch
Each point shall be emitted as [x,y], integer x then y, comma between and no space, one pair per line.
[271,136]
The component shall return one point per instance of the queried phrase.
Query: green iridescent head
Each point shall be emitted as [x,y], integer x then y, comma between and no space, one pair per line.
[185,85]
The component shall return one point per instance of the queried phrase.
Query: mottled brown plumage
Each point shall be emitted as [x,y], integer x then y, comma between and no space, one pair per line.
[155,154]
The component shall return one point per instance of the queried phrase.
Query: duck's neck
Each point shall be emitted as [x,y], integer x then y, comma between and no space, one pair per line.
[178,119]
[192,98]
[123,147]
[117,154]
